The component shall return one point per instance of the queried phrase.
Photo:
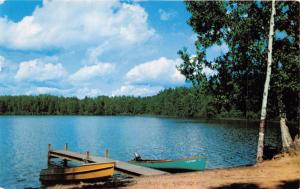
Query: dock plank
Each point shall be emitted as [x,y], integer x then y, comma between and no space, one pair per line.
[120,165]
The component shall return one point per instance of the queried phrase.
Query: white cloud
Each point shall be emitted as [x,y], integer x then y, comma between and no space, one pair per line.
[93,53]
[166,15]
[2,62]
[158,72]
[68,92]
[45,90]
[88,33]
[2,1]
[89,92]
[215,51]
[88,72]
[208,71]
[63,24]
[137,90]
[37,70]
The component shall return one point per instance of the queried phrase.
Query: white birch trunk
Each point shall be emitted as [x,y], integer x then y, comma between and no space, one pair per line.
[260,145]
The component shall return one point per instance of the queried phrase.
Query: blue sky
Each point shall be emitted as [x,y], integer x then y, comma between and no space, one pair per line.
[91,48]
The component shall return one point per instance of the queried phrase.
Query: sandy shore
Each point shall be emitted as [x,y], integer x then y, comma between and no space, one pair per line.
[281,172]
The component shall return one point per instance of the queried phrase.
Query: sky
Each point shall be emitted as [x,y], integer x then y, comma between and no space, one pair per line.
[91,48]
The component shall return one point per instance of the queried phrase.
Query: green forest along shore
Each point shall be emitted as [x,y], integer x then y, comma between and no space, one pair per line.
[179,102]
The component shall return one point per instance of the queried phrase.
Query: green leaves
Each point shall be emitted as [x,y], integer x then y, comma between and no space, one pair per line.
[192,68]
[244,27]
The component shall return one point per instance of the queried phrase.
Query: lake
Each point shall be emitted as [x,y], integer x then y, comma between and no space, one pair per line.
[24,141]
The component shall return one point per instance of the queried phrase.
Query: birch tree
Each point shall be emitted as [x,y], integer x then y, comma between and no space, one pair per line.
[260,145]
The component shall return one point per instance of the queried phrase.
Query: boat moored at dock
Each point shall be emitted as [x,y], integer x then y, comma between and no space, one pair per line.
[85,172]
[196,163]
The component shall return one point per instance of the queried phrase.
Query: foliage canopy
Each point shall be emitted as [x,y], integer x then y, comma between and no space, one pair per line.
[238,79]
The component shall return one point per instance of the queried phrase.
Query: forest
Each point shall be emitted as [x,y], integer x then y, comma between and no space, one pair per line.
[175,102]
[178,102]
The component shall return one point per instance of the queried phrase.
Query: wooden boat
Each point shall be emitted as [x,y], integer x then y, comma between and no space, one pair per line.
[85,172]
[196,163]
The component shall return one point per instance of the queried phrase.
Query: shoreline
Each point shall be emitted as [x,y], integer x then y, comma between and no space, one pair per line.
[281,172]
[200,119]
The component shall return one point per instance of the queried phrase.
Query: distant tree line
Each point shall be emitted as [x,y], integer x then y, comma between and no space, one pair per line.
[177,102]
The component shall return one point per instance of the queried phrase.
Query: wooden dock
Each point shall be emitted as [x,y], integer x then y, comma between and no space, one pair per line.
[120,166]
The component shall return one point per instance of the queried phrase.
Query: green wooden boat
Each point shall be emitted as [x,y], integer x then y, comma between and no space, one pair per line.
[196,163]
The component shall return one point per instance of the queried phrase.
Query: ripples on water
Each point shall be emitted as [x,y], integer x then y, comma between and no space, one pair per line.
[24,139]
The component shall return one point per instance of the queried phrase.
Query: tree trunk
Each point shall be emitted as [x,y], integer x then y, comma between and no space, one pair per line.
[285,134]
[260,145]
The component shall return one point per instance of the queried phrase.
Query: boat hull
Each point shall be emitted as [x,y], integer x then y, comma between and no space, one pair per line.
[86,172]
[181,165]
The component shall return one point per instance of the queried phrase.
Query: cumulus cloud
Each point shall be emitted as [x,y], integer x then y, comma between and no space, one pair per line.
[2,62]
[45,90]
[88,92]
[166,15]
[62,24]
[93,53]
[68,92]
[137,90]
[89,72]
[160,72]
[2,1]
[37,70]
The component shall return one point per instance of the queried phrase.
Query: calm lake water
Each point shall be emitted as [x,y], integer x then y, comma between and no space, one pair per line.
[24,140]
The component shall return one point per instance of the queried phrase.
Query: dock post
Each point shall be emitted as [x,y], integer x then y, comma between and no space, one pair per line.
[49,156]
[87,156]
[66,147]
[106,153]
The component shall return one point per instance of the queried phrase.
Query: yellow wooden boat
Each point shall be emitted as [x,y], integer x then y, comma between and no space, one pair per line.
[85,172]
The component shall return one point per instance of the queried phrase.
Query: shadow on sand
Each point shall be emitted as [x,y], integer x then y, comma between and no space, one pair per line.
[293,184]
[239,186]
[108,184]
